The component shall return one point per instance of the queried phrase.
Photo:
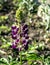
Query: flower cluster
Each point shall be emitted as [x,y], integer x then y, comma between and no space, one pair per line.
[44,12]
[20,35]
[15,36]
[24,35]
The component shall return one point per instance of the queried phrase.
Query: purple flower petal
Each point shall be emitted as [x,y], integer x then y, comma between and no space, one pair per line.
[13,45]
[17,29]
[13,27]
[17,40]
[26,37]
[24,42]
[25,26]
[14,33]
[26,31]
[14,37]
[26,47]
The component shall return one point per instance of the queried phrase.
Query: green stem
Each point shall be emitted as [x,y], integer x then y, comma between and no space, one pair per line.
[20,58]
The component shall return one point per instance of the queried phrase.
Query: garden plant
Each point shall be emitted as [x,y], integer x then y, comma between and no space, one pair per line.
[24,32]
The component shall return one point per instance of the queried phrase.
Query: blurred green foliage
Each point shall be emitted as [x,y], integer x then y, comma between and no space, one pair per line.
[17,11]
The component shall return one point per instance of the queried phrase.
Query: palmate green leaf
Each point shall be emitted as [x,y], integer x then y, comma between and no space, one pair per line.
[2,18]
[3,28]
[33,56]
[14,63]
[2,52]
[6,45]
[4,61]
[44,1]
[2,39]
[10,59]
[47,61]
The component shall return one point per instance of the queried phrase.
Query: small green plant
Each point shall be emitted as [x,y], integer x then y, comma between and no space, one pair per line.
[8,61]
[24,28]
[44,13]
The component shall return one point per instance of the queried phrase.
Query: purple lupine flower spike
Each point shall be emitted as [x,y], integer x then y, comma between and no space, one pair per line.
[16,36]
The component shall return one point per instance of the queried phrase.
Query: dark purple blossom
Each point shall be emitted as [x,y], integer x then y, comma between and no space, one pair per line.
[17,29]
[26,31]
[13,27]
[17,40]
[14,32]
[25,26]
[26,37]
[14,37]
[26,47]
[13,45]
[25,42]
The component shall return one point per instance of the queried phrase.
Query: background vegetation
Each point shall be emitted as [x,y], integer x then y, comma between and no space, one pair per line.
[37,17]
